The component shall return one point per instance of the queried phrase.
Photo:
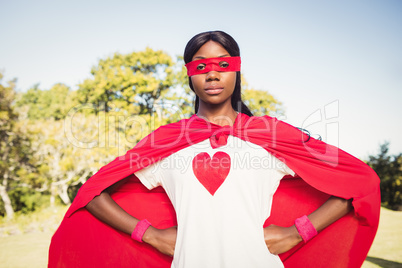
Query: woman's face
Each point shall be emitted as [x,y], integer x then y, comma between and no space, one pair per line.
[214,87]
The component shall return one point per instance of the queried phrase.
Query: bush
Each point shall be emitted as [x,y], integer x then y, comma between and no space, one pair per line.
[25,200]
[389,169]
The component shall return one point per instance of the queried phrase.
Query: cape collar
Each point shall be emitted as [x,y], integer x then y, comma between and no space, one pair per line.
[219,136]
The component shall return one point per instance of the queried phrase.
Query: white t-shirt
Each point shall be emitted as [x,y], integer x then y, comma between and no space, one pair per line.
[221,205]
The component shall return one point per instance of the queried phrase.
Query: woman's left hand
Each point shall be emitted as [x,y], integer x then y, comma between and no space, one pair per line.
[281,239]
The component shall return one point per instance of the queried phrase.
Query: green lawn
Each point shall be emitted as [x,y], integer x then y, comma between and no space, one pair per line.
[27,250]
[387,248]
[30,250]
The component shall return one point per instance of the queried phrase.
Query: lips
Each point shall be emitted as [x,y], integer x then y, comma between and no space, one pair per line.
[213,89]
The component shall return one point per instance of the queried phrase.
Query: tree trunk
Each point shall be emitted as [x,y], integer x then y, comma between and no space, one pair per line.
[62,189]
[53,194]
[6,199]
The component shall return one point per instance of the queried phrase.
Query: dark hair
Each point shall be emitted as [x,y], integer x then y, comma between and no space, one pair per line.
[228,43]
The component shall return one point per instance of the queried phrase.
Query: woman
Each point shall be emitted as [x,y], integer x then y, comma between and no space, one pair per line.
[221,205]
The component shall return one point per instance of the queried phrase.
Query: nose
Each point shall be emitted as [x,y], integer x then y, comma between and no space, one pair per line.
[213,76]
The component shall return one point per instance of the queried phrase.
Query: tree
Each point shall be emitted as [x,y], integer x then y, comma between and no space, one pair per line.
[68,152]
[389,169]
[183,97]
[14,145]
[129,82]
[44,104]
[260,102]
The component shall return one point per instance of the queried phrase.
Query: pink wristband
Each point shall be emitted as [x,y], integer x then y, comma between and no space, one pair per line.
[305,228]
[139,230]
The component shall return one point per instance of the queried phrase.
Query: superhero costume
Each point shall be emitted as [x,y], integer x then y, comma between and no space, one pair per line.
[83,241]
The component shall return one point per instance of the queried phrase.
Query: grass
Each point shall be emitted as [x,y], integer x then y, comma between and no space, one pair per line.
[386,250]
[28,246]
[43,220]
[24,241]
[25,250]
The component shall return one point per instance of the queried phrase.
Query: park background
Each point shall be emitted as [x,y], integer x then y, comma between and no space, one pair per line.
[332,67]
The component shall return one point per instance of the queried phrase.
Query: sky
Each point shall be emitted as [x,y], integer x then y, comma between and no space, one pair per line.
[335,65]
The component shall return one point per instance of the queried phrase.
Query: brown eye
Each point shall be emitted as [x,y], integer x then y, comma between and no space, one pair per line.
[201,67]
[223,64]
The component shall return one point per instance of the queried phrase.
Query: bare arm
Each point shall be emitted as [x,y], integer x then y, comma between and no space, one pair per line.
[107,210]
[281,239]
[332,210]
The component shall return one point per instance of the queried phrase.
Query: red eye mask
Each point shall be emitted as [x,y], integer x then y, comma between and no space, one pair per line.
[224,64]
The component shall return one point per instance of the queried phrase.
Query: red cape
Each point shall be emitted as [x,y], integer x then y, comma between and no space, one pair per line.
[83,241]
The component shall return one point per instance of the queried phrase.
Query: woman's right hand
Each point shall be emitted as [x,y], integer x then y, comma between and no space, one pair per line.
[163,240]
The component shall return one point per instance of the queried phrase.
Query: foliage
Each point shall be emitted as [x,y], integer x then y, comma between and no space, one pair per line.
[129,82]
[26,199]
[389,169]
[45,104]
[15,149]
[260,102]
[181,97]
[68,152]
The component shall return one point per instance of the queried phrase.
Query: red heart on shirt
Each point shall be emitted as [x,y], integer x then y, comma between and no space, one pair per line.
[211,173]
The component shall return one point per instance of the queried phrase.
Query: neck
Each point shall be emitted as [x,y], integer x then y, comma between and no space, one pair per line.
[219,115]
